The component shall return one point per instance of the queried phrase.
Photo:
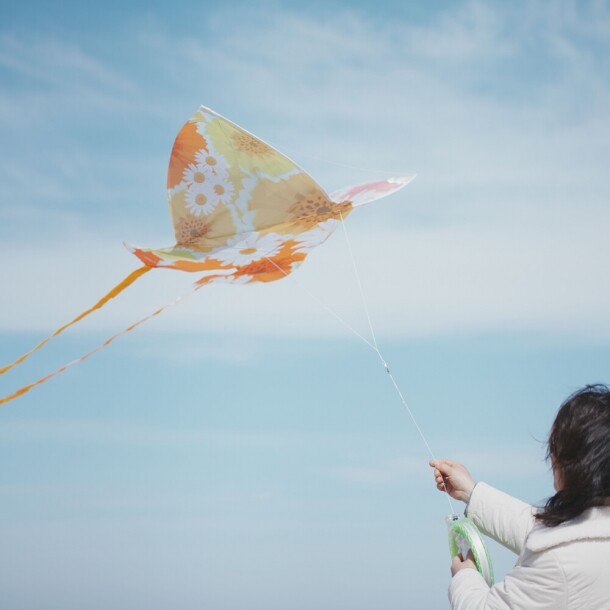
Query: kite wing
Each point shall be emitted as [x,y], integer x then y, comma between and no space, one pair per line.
[360,194]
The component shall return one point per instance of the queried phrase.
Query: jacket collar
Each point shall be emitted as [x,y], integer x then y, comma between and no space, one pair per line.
[594,523]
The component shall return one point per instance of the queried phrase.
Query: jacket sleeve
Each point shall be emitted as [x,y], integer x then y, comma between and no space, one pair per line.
[500,516]
[539,585]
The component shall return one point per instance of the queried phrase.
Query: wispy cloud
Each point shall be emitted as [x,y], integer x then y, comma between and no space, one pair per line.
[503,229]
[38,59]
[502,109]
[417,281]
[502,462]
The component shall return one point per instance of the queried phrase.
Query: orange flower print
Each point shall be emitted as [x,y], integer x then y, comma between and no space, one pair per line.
[190,230]
[246,143]
[275,267]
[188,143]
[312,209]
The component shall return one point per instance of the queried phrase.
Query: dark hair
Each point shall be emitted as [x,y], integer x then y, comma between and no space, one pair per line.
[579,447]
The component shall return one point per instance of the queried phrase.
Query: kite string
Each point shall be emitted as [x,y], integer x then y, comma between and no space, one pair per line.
[373,345]
[361,290]
[383,360]
[329,309]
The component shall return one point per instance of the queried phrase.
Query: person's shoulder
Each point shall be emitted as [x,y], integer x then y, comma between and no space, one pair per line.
[593,524]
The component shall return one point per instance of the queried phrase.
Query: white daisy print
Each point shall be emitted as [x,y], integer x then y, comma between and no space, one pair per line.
[211,159]
[242,250]
[196,174]
[207,190]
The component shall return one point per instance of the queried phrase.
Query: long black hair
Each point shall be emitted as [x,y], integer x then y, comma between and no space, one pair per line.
[579,448]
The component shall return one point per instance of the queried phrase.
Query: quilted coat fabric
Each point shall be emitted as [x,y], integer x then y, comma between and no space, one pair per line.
[559,568]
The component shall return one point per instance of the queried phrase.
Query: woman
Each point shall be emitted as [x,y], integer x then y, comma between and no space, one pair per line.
[564,548]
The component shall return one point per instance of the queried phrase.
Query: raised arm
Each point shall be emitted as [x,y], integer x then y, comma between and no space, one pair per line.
[498,515]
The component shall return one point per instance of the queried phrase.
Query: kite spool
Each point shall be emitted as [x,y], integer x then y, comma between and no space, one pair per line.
[464,535]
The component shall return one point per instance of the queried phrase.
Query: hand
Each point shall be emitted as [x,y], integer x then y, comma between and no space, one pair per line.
[453,478]
[458,563]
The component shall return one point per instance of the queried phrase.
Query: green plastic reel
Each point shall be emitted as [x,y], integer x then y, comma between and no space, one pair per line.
[464,535]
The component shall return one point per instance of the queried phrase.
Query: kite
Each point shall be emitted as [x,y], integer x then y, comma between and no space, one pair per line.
[242,212]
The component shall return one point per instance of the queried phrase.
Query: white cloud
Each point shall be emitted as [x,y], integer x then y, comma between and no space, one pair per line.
[503,111]
[474,34]
[502,230]
[236,350]
[525,275]
[39,59]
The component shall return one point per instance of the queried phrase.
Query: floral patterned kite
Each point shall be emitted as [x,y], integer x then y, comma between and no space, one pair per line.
[241,211]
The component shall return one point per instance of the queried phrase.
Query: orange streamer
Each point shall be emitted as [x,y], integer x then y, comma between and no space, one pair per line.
[130,279]
[25,389]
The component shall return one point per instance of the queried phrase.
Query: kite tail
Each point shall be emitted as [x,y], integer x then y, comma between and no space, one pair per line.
[130,279]
[25,389]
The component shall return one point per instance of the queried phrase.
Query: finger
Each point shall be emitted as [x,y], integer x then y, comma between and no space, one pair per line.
[440,463]
[445,467]
[441,479]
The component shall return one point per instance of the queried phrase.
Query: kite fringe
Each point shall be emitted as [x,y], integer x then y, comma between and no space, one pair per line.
[130,279]
[25,389]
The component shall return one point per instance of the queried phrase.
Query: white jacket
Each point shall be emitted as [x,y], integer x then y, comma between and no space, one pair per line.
[566,567]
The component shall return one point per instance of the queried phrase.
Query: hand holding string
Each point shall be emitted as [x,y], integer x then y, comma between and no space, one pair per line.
[453,478]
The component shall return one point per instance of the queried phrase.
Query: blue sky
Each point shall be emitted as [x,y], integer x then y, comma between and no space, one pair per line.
[245,448]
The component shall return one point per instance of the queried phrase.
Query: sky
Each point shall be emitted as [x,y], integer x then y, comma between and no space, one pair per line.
[246,448]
